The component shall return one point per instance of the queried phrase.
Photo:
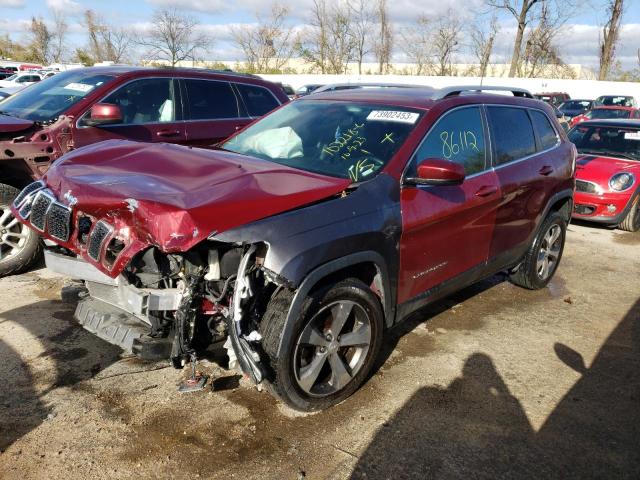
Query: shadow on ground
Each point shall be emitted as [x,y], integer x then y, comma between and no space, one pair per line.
[70,355]
[475,428]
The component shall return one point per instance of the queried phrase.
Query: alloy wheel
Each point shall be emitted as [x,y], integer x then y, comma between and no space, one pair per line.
[13,234]
[332,348]
[549,252]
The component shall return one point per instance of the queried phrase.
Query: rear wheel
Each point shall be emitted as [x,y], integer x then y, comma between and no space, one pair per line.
[631,222]
[20,246]
[543,257]
[333,347]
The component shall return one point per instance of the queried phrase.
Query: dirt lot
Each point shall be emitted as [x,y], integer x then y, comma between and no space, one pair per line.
[494,382]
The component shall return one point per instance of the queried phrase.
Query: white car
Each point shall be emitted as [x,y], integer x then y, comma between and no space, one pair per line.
[21,78]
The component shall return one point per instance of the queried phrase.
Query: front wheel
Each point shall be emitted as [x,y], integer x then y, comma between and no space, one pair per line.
[20,246]
[631,222]
[335,342]
[543,257]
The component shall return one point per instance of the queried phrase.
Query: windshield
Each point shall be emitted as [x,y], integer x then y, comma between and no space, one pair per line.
[339,139]
[11,78]
[607,113]
[623,142]
[575,105]
[48,99]
[620,101]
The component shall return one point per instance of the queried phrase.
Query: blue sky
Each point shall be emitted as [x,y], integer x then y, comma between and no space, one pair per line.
[578,43]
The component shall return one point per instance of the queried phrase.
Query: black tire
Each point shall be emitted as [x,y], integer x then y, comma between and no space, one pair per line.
[16,260]
[282,380]
[631,222]
[528,273]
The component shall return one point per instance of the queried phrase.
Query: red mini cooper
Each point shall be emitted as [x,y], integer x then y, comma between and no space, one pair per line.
[608,169]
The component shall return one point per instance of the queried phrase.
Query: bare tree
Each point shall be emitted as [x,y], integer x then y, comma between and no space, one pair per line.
[267,46]
[174,37]
[482,41]
[106,42]
[609,39]
[361,30]
[60,28]
[328,44]
[40,41]
[540,55]
[417,44]
[446,42]
[522,11]
[384,42]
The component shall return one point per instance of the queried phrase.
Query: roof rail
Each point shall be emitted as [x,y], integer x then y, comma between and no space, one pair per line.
[459,90]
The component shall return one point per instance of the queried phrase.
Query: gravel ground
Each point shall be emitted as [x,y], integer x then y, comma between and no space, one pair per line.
[494,382]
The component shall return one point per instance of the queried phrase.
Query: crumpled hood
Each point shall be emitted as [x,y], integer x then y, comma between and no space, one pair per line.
[9,124]
[599,169]
[176,196]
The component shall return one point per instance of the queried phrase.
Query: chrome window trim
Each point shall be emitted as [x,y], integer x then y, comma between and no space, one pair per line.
[487,166]
[77,123]
[257,86]
[527,157]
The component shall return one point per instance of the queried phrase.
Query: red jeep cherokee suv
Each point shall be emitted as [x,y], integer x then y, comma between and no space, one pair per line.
[79,107]
[306,235]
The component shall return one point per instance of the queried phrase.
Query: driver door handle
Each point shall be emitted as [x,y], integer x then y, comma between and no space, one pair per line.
[168,133]
[546,170]
[486,190]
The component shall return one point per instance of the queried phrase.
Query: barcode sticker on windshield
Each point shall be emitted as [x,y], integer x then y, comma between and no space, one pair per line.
[393,116]
[79,87]
[632,135]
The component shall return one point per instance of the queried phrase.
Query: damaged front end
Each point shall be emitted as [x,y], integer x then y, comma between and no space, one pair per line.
[147,301]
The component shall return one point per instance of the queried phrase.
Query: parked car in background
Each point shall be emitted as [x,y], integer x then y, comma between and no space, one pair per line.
[8,91]
[608,172]
[616,101]
[5,73]
[288,89]
[306,235]
[307,89]
[21,78]
[573,108]
[84,106]
[562,119]
[553,98]
[606,112]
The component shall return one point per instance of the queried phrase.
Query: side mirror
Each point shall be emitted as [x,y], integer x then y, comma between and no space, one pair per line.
[104,114]
[436,171]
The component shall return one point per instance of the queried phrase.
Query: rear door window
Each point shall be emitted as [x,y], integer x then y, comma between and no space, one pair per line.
[457,136]
[211,100]
[547,136]
[258,100]
[149,100]
[512,133]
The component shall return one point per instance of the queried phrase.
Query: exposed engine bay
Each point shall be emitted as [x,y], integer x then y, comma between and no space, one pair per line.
[213,292]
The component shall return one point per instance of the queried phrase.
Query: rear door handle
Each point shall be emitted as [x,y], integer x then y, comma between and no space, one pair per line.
[168,133]
[486,190]
[546,170]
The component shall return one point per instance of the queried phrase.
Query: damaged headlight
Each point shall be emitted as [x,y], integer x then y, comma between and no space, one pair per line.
[622,181]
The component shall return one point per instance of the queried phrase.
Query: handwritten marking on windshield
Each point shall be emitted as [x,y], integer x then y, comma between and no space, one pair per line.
[388,138]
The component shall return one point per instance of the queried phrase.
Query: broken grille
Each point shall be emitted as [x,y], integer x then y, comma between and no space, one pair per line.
[39,209]
[59,221]
[99,234]
[28,190]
